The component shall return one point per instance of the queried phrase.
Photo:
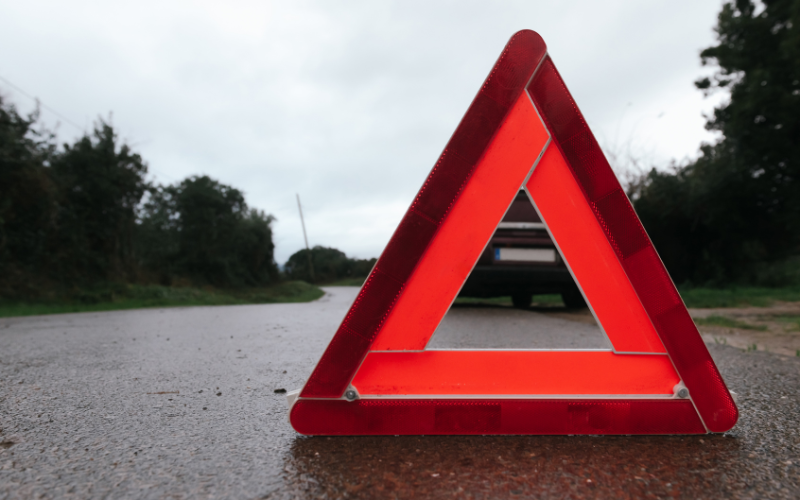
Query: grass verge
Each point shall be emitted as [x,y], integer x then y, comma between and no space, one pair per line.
[118,297]
[728,323]
[791,322]
[738,296]
[348,282]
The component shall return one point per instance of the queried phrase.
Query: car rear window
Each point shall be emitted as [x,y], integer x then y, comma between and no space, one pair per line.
[521,210]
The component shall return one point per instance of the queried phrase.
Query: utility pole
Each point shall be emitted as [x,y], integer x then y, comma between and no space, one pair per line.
[308,250]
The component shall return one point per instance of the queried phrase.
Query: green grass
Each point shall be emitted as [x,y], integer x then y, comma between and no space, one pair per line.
[728,323]
[793,321]
[348,282]
[739,296]
[552,299]
[118,297]
[495,301]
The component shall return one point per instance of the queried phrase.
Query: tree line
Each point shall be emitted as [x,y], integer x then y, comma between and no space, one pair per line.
[84,213]
[733,214]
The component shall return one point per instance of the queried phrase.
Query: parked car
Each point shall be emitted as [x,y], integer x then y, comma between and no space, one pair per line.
[521,260]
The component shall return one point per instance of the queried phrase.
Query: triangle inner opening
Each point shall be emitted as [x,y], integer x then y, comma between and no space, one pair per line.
[520,294]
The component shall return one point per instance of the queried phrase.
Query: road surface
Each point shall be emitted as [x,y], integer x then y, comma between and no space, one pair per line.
[181,403]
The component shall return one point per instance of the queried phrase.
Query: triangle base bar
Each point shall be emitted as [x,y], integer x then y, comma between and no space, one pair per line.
[494,416]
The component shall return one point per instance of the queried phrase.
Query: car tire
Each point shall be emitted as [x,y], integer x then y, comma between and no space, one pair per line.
[521,300]
[573,299]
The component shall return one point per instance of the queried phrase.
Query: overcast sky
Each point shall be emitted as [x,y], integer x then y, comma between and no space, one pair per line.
[347,103]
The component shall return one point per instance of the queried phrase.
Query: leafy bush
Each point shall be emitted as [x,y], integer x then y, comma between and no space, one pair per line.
[203,231]
[733,215]
[329,265]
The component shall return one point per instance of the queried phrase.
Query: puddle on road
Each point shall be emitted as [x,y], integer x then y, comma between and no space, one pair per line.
[501,466]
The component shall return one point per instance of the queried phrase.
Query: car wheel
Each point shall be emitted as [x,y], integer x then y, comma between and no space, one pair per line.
[573,299]
[521,300]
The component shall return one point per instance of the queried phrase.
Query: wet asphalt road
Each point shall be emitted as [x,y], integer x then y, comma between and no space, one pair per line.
[180,403]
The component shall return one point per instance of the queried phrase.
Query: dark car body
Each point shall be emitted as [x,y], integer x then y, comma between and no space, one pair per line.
[521,260]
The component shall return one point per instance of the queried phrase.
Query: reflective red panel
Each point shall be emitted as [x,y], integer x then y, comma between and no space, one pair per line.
[351,342]
[442,187]
[340,362]
[510,373]
[576,163]
[592,258]
[499,92]
[461,236]
[700,374]
[495,416]
[634,250]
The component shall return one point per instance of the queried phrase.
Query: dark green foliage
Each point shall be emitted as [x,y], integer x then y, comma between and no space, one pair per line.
[203,230]
[329,264]
[73,219]
[734,213]
[28,198]
[100,185]
[66,217]
[735,296]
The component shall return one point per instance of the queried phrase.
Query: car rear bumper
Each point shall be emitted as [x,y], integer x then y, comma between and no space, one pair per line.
[496,281]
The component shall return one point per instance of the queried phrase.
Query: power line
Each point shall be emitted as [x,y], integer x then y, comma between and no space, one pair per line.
[40,103]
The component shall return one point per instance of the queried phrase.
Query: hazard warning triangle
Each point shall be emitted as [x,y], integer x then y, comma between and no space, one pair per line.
[523,130]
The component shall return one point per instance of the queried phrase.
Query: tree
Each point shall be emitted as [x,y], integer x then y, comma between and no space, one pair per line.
[203,230]
[329,264]
[74,218]
[101,183]
[28,198]
[736,209]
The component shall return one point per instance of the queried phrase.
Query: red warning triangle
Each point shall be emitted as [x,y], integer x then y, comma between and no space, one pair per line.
[523,130]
